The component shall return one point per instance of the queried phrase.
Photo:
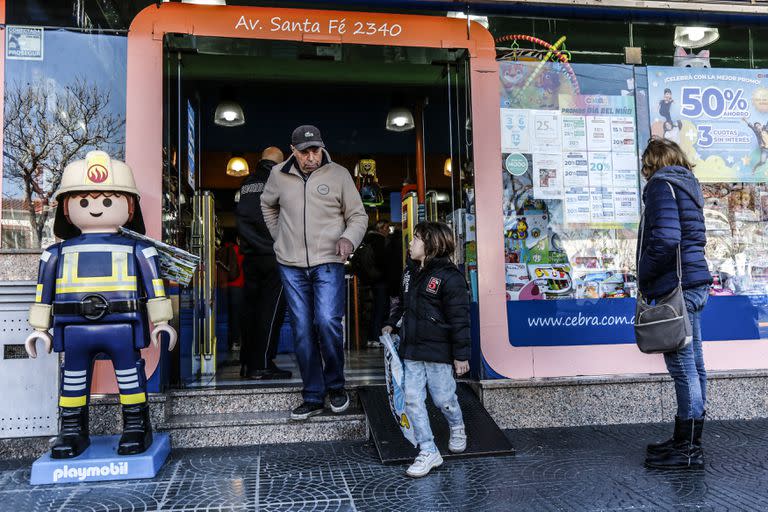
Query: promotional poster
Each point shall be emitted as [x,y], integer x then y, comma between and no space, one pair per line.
[717,116]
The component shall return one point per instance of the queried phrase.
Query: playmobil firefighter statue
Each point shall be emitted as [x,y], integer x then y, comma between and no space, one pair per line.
[99,291]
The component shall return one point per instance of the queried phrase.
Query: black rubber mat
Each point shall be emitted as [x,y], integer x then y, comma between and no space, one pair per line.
[484,437]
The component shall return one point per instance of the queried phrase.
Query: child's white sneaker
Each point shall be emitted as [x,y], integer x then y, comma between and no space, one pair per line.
[424,463]
[458,440]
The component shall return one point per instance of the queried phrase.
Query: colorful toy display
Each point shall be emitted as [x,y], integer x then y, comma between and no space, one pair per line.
[100,291]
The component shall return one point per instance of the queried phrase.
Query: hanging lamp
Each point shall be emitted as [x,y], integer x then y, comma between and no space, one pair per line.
[237,167]
[400,119]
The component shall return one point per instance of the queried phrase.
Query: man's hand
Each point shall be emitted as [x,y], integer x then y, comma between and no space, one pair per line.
[461,367]
[387,329]
[344,248]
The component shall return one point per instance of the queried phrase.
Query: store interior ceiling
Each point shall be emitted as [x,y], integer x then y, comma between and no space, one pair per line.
[347,91]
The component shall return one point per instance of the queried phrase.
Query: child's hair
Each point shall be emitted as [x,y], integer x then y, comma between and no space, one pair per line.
[437,238]
[663,153]
[667,91]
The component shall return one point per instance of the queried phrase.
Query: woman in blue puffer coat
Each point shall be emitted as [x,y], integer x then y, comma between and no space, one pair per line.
[674,216]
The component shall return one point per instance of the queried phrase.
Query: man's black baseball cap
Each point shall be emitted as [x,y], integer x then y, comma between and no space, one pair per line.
[306,136]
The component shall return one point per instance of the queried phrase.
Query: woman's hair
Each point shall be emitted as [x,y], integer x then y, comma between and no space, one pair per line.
[663,153]
[437,238]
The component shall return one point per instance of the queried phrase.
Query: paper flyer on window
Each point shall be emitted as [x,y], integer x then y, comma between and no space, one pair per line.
[547,176]
[515,135]
[546,131]
[574,133]
[719,117]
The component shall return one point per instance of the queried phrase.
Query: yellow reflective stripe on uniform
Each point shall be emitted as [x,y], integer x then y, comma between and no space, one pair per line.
[157,285]
[72,401]
[96,288]
[119,281]
[97,248]
[39,293]
[135,398]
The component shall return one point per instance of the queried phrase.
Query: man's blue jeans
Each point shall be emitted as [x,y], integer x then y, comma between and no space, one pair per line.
[316,300]
[686,366]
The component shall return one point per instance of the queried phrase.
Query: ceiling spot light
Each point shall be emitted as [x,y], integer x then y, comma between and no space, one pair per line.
[695,37]
[229,113]
[400,120]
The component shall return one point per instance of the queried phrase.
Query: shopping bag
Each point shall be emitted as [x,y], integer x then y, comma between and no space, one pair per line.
[394,374]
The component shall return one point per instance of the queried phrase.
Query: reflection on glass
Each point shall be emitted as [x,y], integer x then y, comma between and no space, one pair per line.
[53,115]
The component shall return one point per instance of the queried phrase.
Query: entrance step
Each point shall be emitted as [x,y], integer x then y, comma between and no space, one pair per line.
[236,400]
[242,429]
[198,418]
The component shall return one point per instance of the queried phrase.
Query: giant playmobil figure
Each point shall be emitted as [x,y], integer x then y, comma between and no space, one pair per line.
[97,288]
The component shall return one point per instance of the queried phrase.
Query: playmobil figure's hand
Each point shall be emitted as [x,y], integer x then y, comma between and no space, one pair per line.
[29,344]
[166,328]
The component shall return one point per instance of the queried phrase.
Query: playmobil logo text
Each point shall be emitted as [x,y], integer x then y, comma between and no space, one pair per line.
[81,473]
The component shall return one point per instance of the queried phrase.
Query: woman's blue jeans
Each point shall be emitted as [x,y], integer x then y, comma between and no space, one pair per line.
[686,366]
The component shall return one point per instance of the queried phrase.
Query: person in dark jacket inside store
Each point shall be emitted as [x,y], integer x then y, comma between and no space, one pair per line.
[674,218]
[265,301]
[376,242]
[433,321]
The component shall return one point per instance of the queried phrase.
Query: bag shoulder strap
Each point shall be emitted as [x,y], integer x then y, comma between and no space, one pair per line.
[642,233]
[679,257]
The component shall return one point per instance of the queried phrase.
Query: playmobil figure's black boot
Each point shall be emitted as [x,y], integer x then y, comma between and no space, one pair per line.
[137,430]
[73,433]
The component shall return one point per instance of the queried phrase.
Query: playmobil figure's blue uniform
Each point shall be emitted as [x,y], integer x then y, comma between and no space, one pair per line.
[98,284]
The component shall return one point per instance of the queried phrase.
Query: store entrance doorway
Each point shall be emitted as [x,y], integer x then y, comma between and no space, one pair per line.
[350,92]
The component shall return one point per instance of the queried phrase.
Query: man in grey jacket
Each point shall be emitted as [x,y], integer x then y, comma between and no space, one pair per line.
[316,217]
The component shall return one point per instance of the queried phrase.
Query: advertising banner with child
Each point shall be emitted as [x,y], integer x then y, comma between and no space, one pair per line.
[717,116]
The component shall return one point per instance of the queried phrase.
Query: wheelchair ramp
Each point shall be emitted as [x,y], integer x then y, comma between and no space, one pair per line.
[485,438]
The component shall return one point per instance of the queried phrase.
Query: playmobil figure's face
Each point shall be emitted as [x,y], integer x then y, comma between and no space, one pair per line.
[97,212]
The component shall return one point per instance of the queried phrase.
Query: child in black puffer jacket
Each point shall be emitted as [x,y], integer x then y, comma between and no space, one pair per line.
[433,321]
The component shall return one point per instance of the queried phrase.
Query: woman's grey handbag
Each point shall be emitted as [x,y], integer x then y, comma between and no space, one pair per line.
[662,326]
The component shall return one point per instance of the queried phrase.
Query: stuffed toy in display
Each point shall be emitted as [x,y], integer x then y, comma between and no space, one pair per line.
[691,60]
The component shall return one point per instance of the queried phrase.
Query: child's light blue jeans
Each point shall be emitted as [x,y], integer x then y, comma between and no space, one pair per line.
[442,387]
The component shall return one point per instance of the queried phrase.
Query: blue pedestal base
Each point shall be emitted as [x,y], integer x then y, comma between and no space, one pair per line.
[101,462]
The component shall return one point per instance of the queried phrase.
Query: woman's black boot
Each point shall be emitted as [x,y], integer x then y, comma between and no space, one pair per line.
[685,451]
[659,448]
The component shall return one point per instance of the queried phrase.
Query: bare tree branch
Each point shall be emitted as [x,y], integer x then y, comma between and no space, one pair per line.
[46,128]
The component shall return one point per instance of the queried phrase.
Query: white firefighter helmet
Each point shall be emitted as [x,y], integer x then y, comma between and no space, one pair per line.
[96,173]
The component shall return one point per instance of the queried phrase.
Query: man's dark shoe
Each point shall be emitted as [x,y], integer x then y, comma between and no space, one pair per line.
[258,374]
[279,374]
[73,433]
[339,400]
[685,451]
[306,410]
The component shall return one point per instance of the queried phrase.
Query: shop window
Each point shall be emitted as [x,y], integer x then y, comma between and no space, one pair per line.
[64,96]
[571,187]
[571,138]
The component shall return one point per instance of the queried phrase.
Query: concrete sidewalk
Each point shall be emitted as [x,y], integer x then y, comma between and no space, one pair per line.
[584,468]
